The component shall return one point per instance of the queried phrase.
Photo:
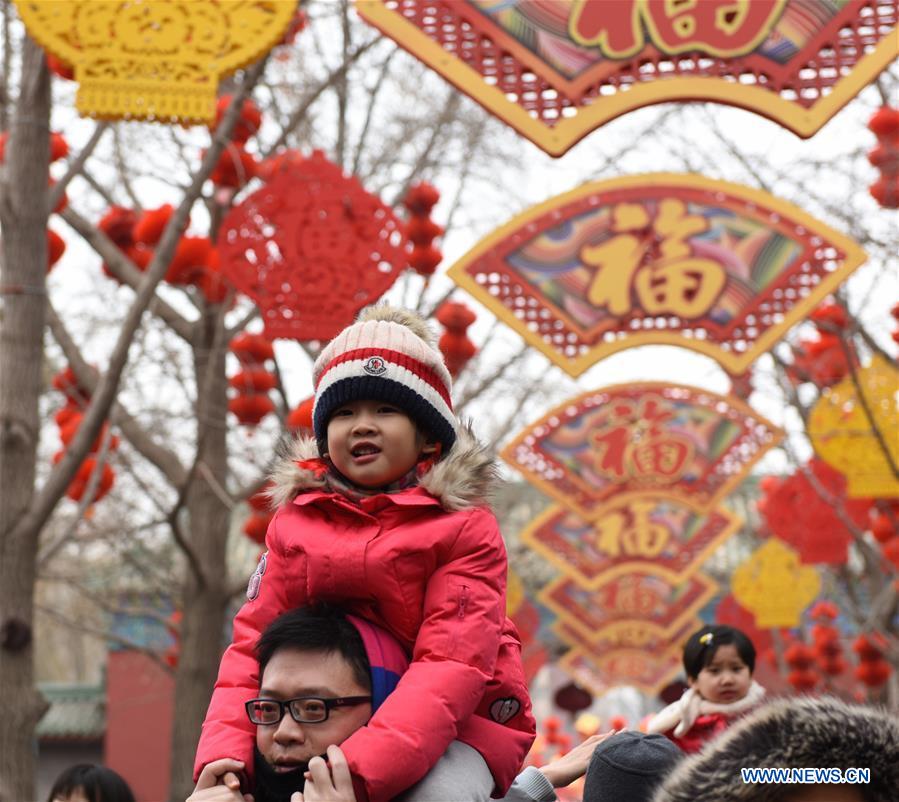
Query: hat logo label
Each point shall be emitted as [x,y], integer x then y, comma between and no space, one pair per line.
[504,709]
[375,366]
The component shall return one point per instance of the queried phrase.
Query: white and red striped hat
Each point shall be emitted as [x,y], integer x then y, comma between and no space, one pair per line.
[387,355]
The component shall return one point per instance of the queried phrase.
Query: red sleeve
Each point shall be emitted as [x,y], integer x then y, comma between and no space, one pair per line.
[453,659]
[227,732]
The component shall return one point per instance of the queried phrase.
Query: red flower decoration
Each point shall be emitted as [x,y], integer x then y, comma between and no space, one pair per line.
[311,247]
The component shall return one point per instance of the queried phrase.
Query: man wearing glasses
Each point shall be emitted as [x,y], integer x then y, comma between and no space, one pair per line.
[323,674]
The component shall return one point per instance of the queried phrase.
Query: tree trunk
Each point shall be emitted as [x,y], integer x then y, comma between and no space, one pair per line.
[205,599]
[23,213]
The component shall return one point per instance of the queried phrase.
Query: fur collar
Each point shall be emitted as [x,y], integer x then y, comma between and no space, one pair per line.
[461,479]
[794,732]
[682,714]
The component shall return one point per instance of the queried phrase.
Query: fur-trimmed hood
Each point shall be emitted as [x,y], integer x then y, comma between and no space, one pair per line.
[791,733]
[463,478]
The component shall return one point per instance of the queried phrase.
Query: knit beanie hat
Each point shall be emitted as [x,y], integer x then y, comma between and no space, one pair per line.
[387,355]
[387,660]
[629,766]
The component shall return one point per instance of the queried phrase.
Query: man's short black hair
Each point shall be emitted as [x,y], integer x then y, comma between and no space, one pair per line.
[96,783]
[702,645]
[318,628]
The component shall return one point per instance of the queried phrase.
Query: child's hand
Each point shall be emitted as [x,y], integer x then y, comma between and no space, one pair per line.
[218,782]
[327,782]
[573,764]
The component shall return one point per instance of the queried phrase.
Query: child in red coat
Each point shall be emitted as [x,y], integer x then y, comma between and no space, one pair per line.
[383,513]
[719,661]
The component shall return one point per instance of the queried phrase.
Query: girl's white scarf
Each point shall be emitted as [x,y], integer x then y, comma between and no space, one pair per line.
[683,713]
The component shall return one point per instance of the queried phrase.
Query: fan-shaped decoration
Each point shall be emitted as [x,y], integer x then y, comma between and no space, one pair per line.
[668,534]
[311,247]
[557,69]
[660,258]
[809,509]
[638,438]
[841,430]
[154,59]
[602,672]
[639,595]
[774,585]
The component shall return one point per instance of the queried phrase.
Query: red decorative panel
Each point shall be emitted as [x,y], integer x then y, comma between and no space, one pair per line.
[641,669]
[642,530]
[638,438]
[660,258]
[557,69]
[312,248]
[639,595]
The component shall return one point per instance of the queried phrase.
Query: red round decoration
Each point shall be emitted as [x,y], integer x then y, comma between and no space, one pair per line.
[56,247]
[250,409]
[422,230]
[572,697]
[148,229]
[248,122]
[797,515]
[421,198]
[886,191]
[118,225]
[882,527]
[425,259]
[301,417]
[235,167]
[828,317]
[67,384]
[63,199]
[312,248]
[59,148]
[884,122]
[189,260]
[252,349]
[256,526]
[253,381]
[802,679]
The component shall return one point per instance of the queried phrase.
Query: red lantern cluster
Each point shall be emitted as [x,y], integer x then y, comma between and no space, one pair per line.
[553,735]
[796,513]
[884,123]
[299,421]
[801,659]
[119,224]
[256,524]
[456,347]
[826,639]
[822,360]
[253,382]
[236,166]
[69,419]
[872,669]
[421,229]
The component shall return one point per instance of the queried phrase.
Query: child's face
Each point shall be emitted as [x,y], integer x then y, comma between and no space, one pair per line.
[725,679]
[373,443]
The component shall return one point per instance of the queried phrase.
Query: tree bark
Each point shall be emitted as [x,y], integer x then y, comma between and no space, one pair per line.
[205,598]
[23,214]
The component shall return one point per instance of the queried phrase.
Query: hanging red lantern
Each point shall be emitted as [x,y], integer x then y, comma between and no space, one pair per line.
[573,698]
[421,198]
[150,225]
[66,382]
[234,168]
[800,658]
[189,260]
[884,123]
[872,669]
[830,317]
[300,418]
[256,524]
[883,528]
[118,225]
[56,247]
[251,404]
[59,148]
[454,344]
[421,230]
[248,123]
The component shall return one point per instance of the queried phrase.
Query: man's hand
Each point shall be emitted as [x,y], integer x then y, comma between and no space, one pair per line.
[573,764]
[218,782]
[327,782]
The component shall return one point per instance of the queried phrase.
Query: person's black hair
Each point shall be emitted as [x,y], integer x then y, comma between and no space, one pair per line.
[703,644]
[96,783]
[316,629]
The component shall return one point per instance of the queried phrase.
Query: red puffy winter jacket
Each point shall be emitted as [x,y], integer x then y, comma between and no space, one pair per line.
[429,565]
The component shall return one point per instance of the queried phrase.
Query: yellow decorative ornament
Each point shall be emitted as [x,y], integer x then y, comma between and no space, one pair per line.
[155,59]
[514,592]
[775,586]
[842,434]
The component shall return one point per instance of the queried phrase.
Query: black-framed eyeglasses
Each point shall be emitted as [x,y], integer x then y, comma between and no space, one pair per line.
[303,709]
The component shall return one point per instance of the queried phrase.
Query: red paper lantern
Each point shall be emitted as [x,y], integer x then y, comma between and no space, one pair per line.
[425,259]
[300,418]
[250,409]
[252,349]
[802,680]
[59,148]
[421,198]
[66,382]
[256,525]
[248,123]
[422,230]
[253,381]
[56,247]
[885,156]
[883,528]
[234,168]
[118,225]
[873,673]
[151,224]
[189,260]
[573,698]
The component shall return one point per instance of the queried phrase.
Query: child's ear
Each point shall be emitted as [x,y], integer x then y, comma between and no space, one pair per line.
[691,681]
[430,447]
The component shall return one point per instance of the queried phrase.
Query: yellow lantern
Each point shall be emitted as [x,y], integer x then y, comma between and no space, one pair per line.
[774,585]
[154,59]
[842,431]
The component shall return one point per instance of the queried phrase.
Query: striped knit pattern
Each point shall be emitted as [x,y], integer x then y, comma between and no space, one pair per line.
[387,660]
[382,360]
